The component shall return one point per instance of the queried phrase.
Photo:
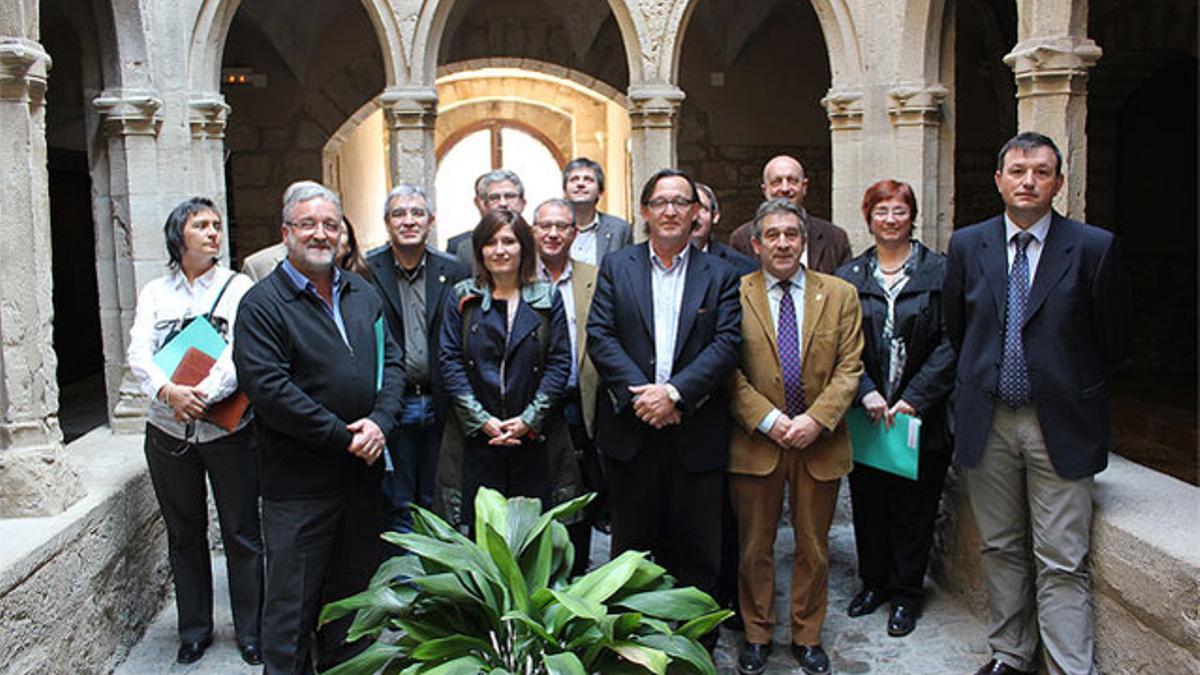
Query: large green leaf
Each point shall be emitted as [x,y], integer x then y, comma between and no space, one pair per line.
[701,625]
[381,597]
[532,626]
[523,514]
[452,646]
[602,582]
[368,662]
[396,567]
[654,660]
[683,649]
[446,586]
[619,626]
[503,557]
[584,608]
[648,576]
[429,524]
[464,665]
[565,663]
[558,512]
[536,562]
[451,556]
[675,604]
[369,621]
[491,508]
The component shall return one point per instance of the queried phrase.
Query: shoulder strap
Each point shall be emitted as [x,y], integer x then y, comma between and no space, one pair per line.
[220,295]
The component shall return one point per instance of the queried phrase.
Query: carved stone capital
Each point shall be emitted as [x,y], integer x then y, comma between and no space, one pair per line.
[410,107]
[1050,66]
[207,116]
[844,108]
[129,112]
[23,68]
[653,105]
[912,104]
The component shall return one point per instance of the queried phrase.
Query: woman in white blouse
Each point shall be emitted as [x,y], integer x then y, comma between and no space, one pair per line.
[182,447]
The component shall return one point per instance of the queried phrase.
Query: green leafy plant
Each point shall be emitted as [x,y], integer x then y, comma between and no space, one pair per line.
[504,603]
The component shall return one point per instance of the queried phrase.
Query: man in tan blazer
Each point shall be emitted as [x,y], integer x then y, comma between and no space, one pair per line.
[554,229]
[799,370]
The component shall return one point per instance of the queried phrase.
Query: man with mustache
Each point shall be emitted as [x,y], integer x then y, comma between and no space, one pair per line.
[306,348]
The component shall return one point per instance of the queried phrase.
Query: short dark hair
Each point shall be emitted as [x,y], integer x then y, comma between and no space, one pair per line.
[888,189]
[1026,141]
[714,205]
[178,218]
[773,206]
[648,189]
[486,229]
[584,163]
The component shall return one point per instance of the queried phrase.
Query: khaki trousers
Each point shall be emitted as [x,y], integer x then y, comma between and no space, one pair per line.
[1015,493]
[757,504]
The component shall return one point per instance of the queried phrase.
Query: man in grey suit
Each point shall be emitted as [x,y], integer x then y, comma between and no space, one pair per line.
[499,189]
[598,233]
[1037,306]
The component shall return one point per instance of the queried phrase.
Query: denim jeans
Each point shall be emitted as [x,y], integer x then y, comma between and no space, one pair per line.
[414,449]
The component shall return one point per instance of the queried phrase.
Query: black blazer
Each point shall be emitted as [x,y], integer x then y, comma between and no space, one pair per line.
[441,273]
[928,373]
[621,343]
[1075,333]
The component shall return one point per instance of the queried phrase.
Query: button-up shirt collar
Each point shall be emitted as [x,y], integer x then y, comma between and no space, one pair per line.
[305,285]
[566,290]
[666,290]
[1033,250]
[585,248]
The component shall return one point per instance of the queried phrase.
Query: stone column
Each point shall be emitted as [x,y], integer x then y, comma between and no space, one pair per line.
[129,244]
[207,114]
[915,112]
[844,108]
[411,114]
[35,478]
[1051,74]
[652,117]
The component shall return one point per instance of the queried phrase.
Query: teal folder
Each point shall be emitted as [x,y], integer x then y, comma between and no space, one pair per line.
[199,334]
[379,353]
[893,450]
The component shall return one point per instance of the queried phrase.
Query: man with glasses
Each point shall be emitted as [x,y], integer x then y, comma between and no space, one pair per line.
[598,233]
[499,189]
[554,231]
[663,333]
[413,279]
[260,263]
[313,353]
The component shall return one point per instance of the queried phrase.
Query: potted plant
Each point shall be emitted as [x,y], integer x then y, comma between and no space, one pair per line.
[504,603]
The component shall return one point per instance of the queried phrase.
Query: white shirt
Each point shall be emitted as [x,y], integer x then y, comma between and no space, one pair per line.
[161,307]
[566,291]
[1033,250]
[666,295]
[583,248]
[774,299]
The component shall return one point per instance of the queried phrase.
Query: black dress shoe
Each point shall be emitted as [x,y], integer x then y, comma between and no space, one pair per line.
[902,620]
[753,659]
[865,602]
[251,654]
[813,660]
[995,667]
[190,652]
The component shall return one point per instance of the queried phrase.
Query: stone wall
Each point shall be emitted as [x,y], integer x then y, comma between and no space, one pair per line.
[78,589]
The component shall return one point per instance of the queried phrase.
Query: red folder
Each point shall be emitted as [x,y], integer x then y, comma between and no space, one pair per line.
[192,369]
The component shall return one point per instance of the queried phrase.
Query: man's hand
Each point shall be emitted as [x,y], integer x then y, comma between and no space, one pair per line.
[901,406]
[186,402]
[876,406]
[779,430]
[653,405]
[367,442]
[803,432]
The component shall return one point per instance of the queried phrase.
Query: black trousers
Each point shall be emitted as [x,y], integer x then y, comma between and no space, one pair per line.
[231,465]
[319,549]
[660,507]
[518,471]
[593,481]
[893,525]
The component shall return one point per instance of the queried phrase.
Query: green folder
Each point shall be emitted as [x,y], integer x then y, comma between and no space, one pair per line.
[379,353]
[893,450]
[199,334]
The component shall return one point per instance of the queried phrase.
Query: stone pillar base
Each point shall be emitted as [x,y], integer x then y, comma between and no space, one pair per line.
[37,482]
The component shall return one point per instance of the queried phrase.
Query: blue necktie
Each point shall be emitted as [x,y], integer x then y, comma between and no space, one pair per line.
[1014,372]
[789,353]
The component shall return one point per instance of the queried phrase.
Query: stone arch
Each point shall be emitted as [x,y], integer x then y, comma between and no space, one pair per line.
[837,27]
[922,39]
[431,27]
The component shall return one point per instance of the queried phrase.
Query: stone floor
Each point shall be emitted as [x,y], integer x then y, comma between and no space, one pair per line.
[948,639]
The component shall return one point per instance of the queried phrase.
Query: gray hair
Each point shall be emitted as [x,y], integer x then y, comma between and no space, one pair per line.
[776,206]
[298,193]
[498,176]
[714,206]
[555,201]
[404,191]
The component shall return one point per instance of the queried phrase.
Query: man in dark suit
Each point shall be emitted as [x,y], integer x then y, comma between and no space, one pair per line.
[828,246]
[663,334]
[708,214]
[1037,306]
[598,234]
[499,189]
[413,279]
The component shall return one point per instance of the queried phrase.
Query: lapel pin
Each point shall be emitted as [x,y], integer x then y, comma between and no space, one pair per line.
[441,278]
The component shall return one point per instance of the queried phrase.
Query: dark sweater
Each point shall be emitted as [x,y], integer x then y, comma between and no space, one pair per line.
[306,386]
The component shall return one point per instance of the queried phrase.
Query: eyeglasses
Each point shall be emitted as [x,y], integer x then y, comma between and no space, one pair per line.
[414,212]
[557,226]
[661,203]
[899,212]
[310,226]
[494,197]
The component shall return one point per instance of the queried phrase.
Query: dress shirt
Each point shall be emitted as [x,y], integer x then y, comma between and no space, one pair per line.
[411,286]
[1033,250]
[333,311]
[583,248]
[666,291]
[774,298]
[162,306]
[566,291]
